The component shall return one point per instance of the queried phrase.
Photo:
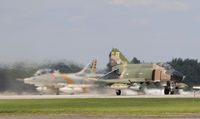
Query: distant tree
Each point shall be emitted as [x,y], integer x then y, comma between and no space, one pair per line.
[135,61]
[190,68]
[65,67]
[9,74]
[3,85]
[108,67]
[21,70]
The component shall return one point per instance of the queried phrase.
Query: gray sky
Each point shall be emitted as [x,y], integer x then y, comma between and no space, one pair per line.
[80,30]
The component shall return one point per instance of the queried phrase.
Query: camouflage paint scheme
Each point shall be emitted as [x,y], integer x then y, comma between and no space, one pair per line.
[133,75]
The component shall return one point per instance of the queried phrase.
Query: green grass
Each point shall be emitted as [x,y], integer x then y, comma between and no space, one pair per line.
[135,106]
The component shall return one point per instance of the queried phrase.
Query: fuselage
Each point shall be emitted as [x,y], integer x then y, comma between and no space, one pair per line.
[58,78]
[150,72]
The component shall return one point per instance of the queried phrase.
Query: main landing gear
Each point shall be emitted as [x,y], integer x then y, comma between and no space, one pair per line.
[118,92]
[57,91]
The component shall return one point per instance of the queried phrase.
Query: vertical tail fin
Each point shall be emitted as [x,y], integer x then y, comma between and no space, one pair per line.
[89,69]
[94,66]
[117,58]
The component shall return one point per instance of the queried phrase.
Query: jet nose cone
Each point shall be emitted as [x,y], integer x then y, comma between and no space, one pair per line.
[177,76]
[28,80]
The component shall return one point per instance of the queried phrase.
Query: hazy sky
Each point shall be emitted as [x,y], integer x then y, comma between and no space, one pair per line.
[80,30]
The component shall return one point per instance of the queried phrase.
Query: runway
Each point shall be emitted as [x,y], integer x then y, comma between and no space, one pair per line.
[92,96]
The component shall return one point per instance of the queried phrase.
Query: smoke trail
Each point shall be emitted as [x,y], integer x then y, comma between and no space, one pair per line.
[182,92]
[129,92]
[153,91]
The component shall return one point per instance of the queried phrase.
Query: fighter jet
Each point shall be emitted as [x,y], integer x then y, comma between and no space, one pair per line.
[134,76]
[48,81]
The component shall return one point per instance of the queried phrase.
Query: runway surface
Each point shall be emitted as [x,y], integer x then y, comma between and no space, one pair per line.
[92,96]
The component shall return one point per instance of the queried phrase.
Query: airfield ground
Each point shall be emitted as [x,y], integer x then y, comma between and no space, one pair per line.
[100,108]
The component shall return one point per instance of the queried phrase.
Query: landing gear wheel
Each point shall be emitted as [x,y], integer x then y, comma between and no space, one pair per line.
[41,93]
[118,92]
[173,88]
[166,90]
[57,91]
[172,92]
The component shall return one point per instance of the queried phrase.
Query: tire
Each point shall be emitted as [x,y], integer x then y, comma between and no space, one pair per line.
[166,91]
[172,92]
[118,92]
[57,92]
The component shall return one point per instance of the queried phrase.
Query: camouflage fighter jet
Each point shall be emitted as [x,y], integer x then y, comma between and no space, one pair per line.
[48,81]
[133,76]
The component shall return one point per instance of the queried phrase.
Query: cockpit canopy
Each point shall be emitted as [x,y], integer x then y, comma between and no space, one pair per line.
[43,71]
[167,66]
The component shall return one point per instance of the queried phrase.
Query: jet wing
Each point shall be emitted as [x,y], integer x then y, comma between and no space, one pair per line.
[133,83]
[125,81]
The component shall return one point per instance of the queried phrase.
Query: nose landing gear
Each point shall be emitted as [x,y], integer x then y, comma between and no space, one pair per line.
[170,88]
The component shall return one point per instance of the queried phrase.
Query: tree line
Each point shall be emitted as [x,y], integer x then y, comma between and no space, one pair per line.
[189,67]
[20,70]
